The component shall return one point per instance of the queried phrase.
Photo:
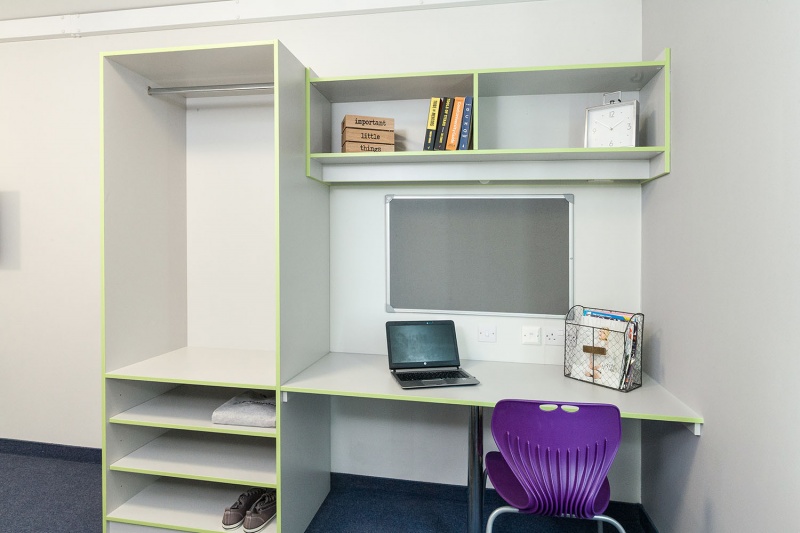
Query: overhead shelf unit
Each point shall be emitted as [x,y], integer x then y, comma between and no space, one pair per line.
[201,146]
[528,125]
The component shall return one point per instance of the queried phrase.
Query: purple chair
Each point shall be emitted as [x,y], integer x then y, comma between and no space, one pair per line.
[553,459]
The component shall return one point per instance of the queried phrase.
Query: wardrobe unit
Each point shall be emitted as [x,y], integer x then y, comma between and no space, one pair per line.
[215,282]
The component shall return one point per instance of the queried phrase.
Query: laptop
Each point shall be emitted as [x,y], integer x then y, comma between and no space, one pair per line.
[424,353]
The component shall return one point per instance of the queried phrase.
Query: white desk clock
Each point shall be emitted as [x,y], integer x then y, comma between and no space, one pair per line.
[613,124]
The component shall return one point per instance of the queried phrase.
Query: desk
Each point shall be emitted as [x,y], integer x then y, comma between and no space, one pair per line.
[368,376]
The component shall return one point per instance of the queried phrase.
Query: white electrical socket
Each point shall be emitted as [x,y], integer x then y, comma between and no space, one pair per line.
[487,333]
[531,335]
[554,336]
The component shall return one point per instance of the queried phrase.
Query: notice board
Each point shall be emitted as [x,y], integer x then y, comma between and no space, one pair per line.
[480,254]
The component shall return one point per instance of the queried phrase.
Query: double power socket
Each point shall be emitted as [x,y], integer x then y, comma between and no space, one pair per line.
[553,336]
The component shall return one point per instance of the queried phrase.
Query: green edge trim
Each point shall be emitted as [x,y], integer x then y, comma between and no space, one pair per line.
[308,122]
[415,399]
[404,75]
[158,525]
[203,429]
[132,377]
[475,114]
[492,151]
[103,410]
[138,51]
[277,279]
[422,399]
[230,481]
[662,418]
[667,109]
[583,66]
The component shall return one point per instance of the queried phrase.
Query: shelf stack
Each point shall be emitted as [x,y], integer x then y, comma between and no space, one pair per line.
[523,127]
[367,134]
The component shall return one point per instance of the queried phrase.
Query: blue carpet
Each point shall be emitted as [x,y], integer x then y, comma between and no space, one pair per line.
[44,494]
[359,504]
[46,488]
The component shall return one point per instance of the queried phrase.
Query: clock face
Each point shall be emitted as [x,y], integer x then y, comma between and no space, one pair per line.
[612,125]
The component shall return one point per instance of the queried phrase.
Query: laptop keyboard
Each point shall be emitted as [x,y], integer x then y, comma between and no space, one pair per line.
[433,374]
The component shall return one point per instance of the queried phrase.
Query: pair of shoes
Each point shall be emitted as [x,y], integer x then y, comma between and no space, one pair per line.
[261,513]
[254,509]
[235,514]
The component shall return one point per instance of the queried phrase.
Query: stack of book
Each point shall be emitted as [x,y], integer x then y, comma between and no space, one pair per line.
[367,134]
[449,124]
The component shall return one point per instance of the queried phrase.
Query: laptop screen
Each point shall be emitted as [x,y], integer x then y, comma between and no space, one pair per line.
[424,343]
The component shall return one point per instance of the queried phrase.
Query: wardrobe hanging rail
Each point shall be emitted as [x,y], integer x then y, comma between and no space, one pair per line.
[268,86]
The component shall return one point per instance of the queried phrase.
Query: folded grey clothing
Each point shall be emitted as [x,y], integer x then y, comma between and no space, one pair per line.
[251,408]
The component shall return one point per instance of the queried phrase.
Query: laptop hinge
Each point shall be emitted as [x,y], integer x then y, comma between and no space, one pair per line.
[427,369]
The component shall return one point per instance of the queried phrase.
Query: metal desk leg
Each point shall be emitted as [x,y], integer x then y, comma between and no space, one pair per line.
[475,470]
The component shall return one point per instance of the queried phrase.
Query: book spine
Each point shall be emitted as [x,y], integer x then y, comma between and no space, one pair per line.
[466,125]
[433,123]
[454,129]
[444,123]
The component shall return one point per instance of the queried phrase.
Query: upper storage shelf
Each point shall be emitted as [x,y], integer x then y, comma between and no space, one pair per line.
[197,67]
[528,125]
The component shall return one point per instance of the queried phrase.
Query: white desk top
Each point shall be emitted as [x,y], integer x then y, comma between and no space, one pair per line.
[368,376]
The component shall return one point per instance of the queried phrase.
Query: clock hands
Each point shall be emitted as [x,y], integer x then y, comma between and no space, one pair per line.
[610,128]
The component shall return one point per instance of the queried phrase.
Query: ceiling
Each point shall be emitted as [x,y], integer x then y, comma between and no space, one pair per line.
[20,9]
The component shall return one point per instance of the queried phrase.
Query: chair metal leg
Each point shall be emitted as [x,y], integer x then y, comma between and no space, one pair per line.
[483,496]
[497,512]
[607,519]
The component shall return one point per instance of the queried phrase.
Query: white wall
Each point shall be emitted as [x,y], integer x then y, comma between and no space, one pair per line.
[607,258]
[720,268]
[49,178]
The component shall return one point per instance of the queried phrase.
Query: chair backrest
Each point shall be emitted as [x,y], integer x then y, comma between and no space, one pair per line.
[560,453]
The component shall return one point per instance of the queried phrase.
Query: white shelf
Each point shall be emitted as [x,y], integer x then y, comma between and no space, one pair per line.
[188,408]
[212,65]
[394,87]
[182,505]
[527,125]
[219,458]
[544,154]
[568,79]
[206,366]
[531,165]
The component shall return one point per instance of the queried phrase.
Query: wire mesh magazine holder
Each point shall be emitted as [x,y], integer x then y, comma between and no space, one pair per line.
[553,459]
[604,347]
